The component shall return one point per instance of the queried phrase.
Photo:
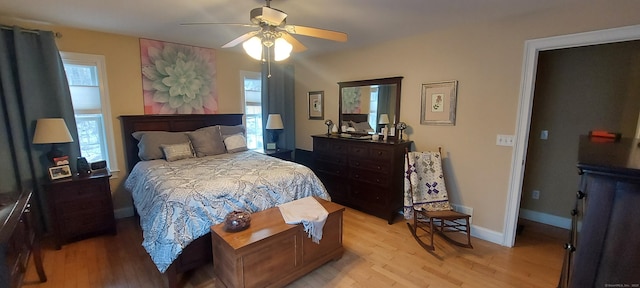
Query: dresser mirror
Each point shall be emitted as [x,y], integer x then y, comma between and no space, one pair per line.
[366,106]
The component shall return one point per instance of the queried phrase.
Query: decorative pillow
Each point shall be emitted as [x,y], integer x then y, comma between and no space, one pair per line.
[175,152]
[207,141]
[231,130]
[150,141]
[235,143]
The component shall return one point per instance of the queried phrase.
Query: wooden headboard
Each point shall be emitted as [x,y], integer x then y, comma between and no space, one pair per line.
[357,118]
[171,123]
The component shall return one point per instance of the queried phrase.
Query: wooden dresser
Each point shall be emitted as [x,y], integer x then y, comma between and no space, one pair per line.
[607,250]
[81,207]
[362,174]
[18,239]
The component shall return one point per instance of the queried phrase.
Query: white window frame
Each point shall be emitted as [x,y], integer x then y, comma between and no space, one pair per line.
[251,75]
[101,67]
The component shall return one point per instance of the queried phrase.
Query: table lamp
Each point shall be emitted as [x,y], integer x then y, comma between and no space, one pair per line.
[274,123]
[384,120]
[52,131]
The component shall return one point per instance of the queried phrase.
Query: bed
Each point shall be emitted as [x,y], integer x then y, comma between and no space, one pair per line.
[245,187]
[357,123]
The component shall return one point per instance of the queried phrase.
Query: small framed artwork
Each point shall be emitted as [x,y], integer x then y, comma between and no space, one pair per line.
[439,103]
[316,105]
[58,172]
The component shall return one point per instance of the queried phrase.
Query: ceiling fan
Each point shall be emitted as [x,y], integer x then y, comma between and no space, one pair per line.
[273,30]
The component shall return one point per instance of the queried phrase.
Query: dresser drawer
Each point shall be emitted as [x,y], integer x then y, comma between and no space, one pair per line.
[359,151]
[330,168]
[330,147]
[335,186]
[375,166]
[369,194]
[380,154]
[369,176]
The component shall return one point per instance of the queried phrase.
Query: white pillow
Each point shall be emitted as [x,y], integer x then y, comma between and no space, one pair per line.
[235,143]
[175,152]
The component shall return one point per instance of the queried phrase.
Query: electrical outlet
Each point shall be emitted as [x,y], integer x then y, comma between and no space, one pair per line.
[504,140]
[544,134]
[535,194]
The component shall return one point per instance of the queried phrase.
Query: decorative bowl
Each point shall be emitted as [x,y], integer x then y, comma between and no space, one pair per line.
[237,221]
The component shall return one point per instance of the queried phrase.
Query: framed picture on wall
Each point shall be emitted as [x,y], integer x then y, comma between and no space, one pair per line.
[438,105]
[316,105]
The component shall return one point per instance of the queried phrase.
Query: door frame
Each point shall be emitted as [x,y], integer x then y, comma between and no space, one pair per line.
[530,64]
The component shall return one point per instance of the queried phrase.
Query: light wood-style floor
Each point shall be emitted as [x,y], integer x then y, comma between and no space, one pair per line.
[376,255]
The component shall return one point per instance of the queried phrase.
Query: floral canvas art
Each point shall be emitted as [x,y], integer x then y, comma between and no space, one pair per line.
[178,79]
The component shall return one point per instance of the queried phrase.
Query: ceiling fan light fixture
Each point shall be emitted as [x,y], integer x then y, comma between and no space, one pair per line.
[253,47]
[282,49]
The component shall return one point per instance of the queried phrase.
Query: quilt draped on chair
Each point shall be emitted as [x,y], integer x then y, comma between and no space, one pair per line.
[424,186]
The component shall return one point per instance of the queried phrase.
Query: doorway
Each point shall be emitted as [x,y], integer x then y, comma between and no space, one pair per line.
[532,50]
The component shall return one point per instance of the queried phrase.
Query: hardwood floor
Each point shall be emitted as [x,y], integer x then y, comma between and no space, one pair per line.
[376,255]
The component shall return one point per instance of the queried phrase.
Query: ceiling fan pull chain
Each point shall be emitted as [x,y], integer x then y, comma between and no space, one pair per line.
[269,61]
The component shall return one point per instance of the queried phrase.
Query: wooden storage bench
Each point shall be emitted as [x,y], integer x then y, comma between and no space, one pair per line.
[271,253]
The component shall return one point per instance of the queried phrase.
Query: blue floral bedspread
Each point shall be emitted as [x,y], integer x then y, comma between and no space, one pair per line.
[179,201]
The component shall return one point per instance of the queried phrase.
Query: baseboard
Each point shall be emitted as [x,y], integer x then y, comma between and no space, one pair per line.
[123,212]
[486,234]
[545,218]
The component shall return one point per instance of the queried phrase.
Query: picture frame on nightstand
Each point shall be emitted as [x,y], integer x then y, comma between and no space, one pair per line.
[59,172]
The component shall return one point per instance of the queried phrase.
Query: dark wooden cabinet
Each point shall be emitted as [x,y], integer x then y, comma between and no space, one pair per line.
[81,207]
[284,154]
[607,250]
[18,239]
[362,174]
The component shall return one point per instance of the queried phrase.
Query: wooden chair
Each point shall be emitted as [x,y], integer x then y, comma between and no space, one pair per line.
[433,216]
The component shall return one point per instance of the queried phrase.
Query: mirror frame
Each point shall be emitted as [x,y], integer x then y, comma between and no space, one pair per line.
[381,81]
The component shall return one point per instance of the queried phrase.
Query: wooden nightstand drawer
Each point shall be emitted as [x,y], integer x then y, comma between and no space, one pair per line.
[79,191]
[86,206]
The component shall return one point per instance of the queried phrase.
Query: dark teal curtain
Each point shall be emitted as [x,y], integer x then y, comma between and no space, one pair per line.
[278,98]
[33,85]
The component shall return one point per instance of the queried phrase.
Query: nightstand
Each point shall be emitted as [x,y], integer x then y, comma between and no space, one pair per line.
[81,207]
[284,154]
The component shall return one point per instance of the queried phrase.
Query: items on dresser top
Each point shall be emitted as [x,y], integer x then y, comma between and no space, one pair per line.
[363,174]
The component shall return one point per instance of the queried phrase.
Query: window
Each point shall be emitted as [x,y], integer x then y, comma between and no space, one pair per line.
[86,75]
[252,91]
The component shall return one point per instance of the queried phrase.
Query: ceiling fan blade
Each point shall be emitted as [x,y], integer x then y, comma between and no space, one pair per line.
[216,23]
[318,33]
[241,39]
[297,46]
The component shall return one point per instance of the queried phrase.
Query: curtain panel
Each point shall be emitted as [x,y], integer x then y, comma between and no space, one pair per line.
[33,85]
[278,98]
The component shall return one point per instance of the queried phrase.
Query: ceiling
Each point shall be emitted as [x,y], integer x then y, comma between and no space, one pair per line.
[365,21]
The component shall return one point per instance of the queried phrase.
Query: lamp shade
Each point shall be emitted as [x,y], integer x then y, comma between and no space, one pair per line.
[384,119]
[51,130]
[274,122]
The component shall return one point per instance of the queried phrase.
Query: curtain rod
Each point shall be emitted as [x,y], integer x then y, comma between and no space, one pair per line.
[55,34]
